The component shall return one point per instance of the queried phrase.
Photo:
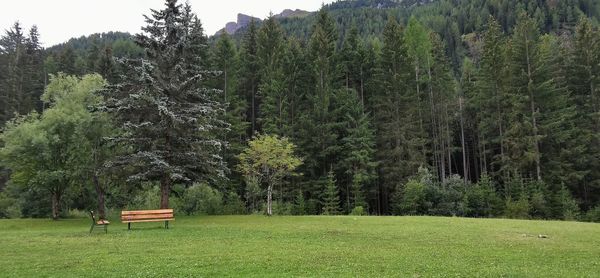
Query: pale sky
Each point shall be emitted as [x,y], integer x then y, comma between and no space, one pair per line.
[60,20]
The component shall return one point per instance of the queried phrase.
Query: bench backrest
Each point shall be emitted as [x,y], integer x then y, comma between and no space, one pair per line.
[133,215]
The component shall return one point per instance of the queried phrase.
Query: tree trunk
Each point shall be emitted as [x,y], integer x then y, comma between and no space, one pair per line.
[462,137]
[270,200]
[533,119]
[100,192]
[55,205]
[165,189]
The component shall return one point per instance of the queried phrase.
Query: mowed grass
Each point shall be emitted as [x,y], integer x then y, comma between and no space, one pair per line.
[260,246]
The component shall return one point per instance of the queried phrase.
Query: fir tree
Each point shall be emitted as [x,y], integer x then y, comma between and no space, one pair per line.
[397,113]
[249,77]
[270,53]
[170,121]
[331,199]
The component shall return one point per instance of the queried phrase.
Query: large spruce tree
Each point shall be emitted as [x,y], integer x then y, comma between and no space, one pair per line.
[170,121]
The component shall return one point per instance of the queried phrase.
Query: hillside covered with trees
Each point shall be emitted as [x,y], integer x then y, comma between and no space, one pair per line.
[481,108]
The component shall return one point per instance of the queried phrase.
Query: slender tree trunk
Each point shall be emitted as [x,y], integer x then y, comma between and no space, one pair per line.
[55,204]
[225,85]
[437,150]
[100,193]
[462,137]
[253,111]
[270,200]
[533,118]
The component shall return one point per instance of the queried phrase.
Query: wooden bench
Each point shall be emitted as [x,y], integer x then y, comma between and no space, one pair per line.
[140,216]
[99,222]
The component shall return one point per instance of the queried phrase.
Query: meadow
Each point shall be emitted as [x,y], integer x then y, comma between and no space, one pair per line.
[279,246]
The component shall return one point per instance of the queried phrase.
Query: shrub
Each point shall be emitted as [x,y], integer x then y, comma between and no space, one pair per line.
[233,204]
[414,199]
[517,209]
[299,204]
[358,211]
[9,207]
[593,215]
[148,198]
[202,199]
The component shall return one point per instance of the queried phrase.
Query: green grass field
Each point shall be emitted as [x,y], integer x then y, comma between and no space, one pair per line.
[301,246]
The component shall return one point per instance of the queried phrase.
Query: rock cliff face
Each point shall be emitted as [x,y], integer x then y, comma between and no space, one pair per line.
[292,13]
[242,21]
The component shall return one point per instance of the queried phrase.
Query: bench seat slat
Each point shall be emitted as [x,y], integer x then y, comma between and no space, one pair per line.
[148,220]
[157,211]
[153,216]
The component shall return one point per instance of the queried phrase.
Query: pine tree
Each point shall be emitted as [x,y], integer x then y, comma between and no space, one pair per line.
[320,142]
[270,53]
[331,199]
[397,113]
[12,47]
[249,77]
[171,122]
[492,100]
[105,64]
[524,141]
[359,158]
[225,60]
[583,72]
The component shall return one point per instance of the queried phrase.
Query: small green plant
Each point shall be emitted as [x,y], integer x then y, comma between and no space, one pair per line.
[358,211]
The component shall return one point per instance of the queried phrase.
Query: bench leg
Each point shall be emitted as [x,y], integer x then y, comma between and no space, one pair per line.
[129,226]
[106,229]
[166,224]
[92,228]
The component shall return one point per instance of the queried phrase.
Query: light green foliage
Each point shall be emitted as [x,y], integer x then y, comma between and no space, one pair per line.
[47,151]
[518,209]
[358,211]
[202,199]
[267,160]
[414,199]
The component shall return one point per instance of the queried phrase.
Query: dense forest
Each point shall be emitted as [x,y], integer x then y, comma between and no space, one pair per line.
[480,108]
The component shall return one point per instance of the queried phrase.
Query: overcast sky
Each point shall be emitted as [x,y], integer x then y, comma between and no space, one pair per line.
[60,20]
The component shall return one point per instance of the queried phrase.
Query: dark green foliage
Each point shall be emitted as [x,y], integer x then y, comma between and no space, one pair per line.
[502,92]
[481,199]
[518,208]
[171,122]
[331,198]
[202,199]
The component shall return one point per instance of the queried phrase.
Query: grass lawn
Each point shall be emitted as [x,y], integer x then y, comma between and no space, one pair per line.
[301,246]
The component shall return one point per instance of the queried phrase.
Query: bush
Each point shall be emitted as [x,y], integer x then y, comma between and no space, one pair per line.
[517,209]
[147,198]
[593,215]
[414,199]
[202,199]
[358,211]
[233,204]
[299,204]
[279,208]
[9,207]
[564,206]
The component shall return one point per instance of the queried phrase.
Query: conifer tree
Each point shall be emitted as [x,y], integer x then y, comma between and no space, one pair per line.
[331,199]
[270,51]
[171,121]
[583,76]
[397,113]
[249,76]
[492,100]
